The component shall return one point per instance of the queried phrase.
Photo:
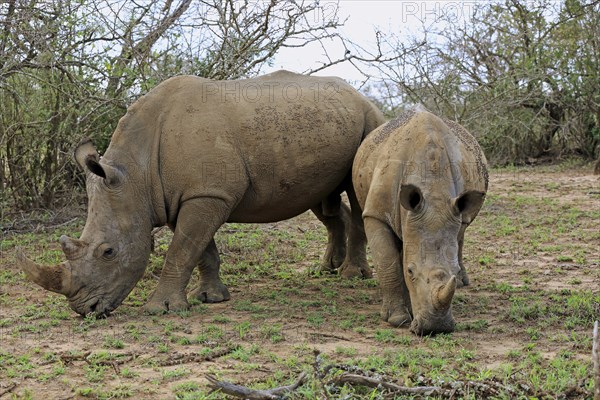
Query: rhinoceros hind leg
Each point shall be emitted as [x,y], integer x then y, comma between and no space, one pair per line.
[336,223]
[355,265]
[211,289]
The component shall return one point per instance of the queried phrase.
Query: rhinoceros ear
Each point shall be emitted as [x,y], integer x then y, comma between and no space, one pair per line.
[468,204]
[86,152]
[88,159]
[411,197]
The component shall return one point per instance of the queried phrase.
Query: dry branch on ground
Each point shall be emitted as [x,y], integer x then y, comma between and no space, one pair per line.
[252,394]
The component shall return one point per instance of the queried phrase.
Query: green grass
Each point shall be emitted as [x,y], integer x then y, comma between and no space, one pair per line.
[172,374]
[532,261]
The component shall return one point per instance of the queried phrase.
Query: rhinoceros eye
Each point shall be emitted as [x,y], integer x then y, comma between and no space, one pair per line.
[108,253]
[411,271]
[105,252]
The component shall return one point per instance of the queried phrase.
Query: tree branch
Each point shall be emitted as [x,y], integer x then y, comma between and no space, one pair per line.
[253,394]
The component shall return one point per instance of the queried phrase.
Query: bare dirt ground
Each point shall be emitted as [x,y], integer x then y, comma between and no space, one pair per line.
[533,256]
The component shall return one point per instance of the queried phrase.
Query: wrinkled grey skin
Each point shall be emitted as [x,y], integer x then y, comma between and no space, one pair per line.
[421,181]
[193,154]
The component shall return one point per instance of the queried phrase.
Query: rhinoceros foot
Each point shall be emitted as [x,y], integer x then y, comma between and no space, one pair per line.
[395,317]
[159,304]
[333,259]
[462,279]
[214,293]
[350,270]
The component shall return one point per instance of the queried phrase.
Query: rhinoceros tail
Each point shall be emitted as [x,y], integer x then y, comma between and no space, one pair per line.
[373,119]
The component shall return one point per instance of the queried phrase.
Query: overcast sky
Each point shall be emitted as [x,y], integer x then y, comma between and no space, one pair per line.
[364,18]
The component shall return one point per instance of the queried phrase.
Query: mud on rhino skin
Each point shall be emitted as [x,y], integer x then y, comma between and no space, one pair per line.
[421,181]
[193,154]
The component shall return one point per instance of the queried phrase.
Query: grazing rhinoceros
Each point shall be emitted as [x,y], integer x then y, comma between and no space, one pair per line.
[421,181]
[195,153]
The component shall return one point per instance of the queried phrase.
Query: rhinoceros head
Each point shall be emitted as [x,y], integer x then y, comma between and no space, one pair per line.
[104,265]
[430,228]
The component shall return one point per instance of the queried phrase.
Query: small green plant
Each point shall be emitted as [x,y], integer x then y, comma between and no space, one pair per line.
[247,305]
[562,258]
[346,351]
[486,260]
[534,334]
[95,373]
[129,373]
[111,342]
[522,309]
[315,319]
[514,354]
[243,329]
[477,325]
[171,374]
[385,335]
[163,348]
[84,391]
[221,319]
[244,353]
[272,332]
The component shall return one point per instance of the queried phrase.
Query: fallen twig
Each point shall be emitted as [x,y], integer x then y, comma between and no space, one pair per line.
[124,358]
[69,358]
[252,394]
[116,368]
[330,335]
[9,389]
[354,379]
[596,360]
[344,367]
[111,363]
[355,376]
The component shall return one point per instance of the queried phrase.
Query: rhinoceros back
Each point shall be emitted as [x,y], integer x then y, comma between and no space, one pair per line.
[275,146]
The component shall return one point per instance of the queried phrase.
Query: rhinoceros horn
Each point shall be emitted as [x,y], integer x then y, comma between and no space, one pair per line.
[443,296]
[56,279]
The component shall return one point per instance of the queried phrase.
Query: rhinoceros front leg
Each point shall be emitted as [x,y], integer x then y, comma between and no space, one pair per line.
[355,264]
[388,264]
[336,235]
[197,222]
[211,289]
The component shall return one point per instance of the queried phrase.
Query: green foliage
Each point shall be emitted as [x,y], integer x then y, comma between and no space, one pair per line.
[70,68]
[521,75]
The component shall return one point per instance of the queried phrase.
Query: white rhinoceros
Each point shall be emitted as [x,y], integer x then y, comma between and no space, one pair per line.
[193,154]
[421,181]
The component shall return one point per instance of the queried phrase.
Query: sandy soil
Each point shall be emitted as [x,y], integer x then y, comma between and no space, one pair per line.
[536,237]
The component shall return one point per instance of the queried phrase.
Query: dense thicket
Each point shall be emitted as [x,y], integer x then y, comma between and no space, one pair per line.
[69,68]
[524,75]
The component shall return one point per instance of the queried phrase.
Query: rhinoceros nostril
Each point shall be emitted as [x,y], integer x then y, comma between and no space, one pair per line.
[99,312]
[95,312]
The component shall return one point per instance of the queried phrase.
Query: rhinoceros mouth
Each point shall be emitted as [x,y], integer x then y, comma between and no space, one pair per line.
[96,310]
[90,307]
[432,326]
[99,305]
